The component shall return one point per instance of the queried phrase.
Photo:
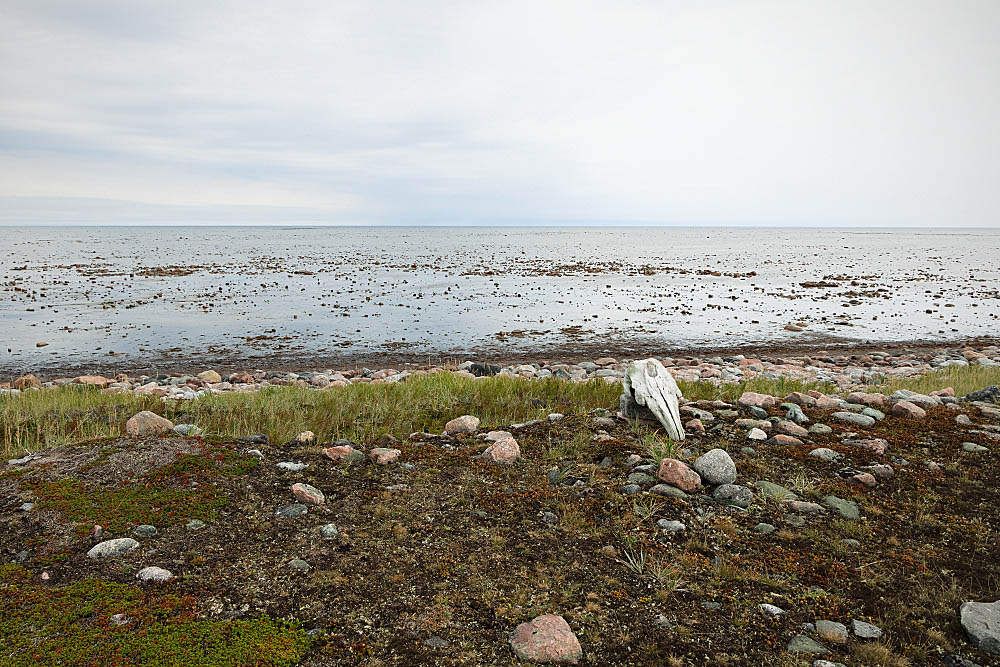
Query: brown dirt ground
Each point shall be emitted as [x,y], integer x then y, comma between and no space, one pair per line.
[462,553]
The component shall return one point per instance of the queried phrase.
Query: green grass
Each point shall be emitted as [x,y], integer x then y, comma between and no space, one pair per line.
[701,390]
[962,379]
[72,625]
[360,412]
[363,412]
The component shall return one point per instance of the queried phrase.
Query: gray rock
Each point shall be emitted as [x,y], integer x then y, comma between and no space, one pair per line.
[973,448]
[826,454]
[716,467]
[771,610]
[153,573]
[805,644]
[668,491]
[144,530]
[436,642]
[631,489]
[299,565]
[794,413]
[846,508]
[877,415]
[671,526]
[120,619]
[733,494]
[188,430]
[831,630]
[195,524]
[27,507]
[329,531]
[853,418]
[963,420]
[827,663]
[820,429]
[550,518]
[293,466]
[759,413]
[111,548]
[291,511]
[864,630]
[981,620]
[643,479]
[764,528]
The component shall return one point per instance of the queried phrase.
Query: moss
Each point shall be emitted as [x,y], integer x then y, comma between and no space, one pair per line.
[72,626]
[162,497]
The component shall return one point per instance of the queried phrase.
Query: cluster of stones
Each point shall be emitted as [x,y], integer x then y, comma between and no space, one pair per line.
[847,372]
[715,471]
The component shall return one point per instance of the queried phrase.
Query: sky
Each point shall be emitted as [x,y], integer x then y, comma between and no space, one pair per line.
[711,112]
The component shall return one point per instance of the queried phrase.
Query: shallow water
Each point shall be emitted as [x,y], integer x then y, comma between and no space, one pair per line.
[144,293]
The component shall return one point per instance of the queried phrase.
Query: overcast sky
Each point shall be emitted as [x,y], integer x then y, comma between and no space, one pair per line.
[797,112]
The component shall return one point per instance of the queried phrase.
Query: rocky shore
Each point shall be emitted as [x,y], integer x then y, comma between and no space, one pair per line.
[841,370]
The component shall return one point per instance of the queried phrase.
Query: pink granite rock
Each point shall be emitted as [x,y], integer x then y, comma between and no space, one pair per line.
[827,402]
[877,445]
[463,424]
[947,391]
[762,401]
[338,453]
[310,495]
[877,401]
[96,380]
[797,397]
[384,456]
[791,428]
[546,639]
[505,450]
[677,473]
[865,479]
[783,439]
[147,423]
[908,410]
[695,426]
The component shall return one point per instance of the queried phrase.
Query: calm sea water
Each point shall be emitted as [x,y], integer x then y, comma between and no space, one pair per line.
[141,293]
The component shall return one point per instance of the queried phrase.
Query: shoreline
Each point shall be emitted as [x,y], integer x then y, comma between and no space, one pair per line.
[563,353]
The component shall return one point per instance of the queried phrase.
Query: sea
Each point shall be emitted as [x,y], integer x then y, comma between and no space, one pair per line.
[97,296]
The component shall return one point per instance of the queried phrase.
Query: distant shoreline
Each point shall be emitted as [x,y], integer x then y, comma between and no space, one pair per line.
[567,352]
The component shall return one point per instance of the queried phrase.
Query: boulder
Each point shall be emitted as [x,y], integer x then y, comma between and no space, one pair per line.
[147,423]
[463,424]
[504,450]
[650,392]
[95,380]
[111,548]
[908,410]
[981,621]
[211,377]
[384,456]
[308,494]
[677,473]
[752,399]
[546,639]
[153,573]
[716,467]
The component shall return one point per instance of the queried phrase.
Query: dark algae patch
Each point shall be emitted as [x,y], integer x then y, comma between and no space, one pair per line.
[73,625]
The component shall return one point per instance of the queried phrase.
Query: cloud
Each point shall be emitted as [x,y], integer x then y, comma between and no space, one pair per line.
[747,112]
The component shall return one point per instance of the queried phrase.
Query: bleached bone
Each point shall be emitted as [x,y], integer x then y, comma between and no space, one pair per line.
[651,393]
